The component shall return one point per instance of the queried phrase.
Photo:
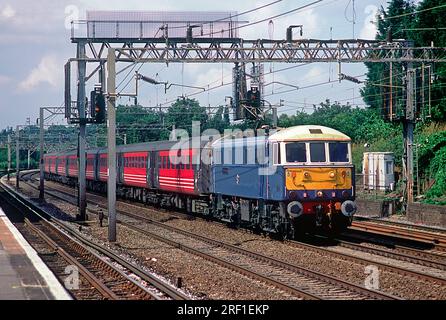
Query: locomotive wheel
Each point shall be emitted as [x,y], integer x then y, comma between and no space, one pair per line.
[338,224]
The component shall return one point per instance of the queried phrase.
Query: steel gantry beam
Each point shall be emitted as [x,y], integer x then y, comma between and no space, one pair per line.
[53,111]
[260,51]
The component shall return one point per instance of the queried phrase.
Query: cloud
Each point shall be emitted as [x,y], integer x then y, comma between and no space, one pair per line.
[4,80]
[314,74]
[369,30]
[203,75]
[48,71]
[307,17]
[6,12]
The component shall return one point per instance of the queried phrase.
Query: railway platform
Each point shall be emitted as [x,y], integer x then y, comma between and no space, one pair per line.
[23,275]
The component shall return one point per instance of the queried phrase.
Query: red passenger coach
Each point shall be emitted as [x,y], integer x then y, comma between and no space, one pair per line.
[73,169]
[176,176]
[103,167]
[135,168]
[50,164]
[61,167]
[90,166]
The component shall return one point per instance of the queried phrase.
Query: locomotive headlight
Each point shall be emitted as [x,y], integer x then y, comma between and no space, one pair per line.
[331,175]
[306,175]
[320,194]
[295,209]
[348,208]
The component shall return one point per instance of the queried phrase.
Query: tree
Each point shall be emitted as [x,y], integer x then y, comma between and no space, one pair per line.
[183,112]
[424,36]
[376,92]
[219,121]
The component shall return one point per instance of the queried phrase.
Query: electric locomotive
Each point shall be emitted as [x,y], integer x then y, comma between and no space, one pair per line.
[302,179]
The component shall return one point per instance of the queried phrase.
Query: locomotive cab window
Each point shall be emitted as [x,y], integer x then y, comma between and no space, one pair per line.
[338,151]
[317,152]
[296,152]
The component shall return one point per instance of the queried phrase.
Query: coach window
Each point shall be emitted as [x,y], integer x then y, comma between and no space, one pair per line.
[338,151]
[260,153]
[251,153]
[296,152]
[276,153]
[317,152]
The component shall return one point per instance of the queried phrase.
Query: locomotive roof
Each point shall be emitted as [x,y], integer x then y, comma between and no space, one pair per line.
[308,132]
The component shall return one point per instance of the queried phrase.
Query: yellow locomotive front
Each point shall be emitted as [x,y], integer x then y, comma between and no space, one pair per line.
[319,177]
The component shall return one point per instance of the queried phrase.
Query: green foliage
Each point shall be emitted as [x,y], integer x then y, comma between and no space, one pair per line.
[374,93]
[183,112]
[138,124]
[432,161]
[219,121]
[425,38]
[416,27]
[361,125]
[437,166]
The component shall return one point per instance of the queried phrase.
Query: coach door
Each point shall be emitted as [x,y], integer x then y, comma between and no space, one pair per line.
[156,168]
[120,168]
[149,168]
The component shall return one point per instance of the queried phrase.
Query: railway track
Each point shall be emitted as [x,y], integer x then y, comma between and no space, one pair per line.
[108,281]
[297,281]
[419,257]
[60,246]
[401,224]
[427,259]
[437,240]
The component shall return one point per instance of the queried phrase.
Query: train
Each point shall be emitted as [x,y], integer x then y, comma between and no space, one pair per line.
[289,182]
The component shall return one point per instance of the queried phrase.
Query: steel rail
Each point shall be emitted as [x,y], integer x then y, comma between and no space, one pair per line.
[350,257]
[152,280]
[92,279]
[259,257]
[437,240]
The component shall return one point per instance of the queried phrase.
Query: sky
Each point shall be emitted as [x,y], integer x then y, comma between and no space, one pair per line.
[35,44]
